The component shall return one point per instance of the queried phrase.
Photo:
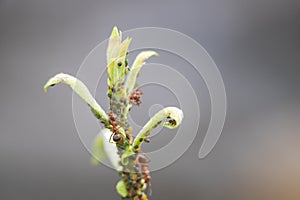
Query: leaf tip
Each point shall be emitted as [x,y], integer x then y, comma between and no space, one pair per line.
[48,84]
[45,89]
[115,32]
[53,81]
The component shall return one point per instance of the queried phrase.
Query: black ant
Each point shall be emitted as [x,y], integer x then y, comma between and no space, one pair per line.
[116,135]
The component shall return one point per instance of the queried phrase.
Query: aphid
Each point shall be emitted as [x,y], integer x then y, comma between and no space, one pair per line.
[172,122]
[113,89]
[143,161]
[135,97]
[123,100]
[135,186]
[136,169]
[147,140]
[113,118]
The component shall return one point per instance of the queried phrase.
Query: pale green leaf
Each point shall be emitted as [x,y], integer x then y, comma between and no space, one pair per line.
[110,149]
[123,48]
[134,71]
[173,117]
[98,149]
[116,56]
[111,73]
[80,89]
[121,189]
[113,42]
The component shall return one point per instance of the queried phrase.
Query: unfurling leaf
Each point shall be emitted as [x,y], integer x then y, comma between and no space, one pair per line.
[116,57]
[113,42]
[80,89]
[121,188]
[173,118]
[134,71]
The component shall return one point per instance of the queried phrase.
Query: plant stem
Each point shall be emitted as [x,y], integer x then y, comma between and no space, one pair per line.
[131,173]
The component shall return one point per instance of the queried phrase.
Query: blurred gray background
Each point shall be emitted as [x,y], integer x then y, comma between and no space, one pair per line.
[256,46]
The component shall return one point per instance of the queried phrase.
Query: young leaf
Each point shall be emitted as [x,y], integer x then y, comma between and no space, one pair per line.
[80,89]
[104,148]
[137,64]
[116,56]
[121,188]
[113,42]
[98,149]
[174,117]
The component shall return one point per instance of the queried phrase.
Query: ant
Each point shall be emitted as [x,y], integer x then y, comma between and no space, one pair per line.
[116,135]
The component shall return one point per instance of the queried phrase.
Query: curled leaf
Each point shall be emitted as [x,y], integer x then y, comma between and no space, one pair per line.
[173,118]
[121,189]
[80,89]
[137,64]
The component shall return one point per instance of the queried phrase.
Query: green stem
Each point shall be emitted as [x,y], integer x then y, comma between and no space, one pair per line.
[131,174]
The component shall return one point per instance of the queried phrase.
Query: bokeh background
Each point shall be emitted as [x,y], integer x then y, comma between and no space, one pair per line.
[256,46]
